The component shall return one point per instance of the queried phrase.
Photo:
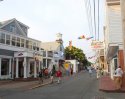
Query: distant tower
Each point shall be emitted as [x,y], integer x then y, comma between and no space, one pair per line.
[59,38]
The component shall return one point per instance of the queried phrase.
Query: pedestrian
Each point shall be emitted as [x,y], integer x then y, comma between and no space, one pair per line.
[90,71]
[46,73]
[52,73]
[59,75]
[97,73]
[41,76]
[118,77]
[71,71]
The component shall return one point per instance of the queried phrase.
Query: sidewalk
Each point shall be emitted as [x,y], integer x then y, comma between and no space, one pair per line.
[107,84]
[22,85]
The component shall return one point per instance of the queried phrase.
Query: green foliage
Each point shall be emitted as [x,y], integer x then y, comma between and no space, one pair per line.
[76,53]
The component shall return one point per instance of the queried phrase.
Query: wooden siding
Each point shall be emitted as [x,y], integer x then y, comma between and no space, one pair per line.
[115,25]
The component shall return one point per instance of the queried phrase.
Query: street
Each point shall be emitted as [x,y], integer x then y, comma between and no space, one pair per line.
[78,86]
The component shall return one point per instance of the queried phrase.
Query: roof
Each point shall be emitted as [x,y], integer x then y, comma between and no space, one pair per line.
[3,23]
[50,46]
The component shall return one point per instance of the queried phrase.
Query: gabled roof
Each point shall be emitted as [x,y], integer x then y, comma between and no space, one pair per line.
[50,46]
[4,23]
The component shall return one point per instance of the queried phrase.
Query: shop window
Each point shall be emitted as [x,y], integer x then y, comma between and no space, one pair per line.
[8,39]
[5,67]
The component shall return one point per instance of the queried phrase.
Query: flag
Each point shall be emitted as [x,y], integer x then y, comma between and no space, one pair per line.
[81,37]
[89,38]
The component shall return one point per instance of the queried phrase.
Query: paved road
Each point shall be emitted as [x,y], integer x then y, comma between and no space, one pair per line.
[80,86]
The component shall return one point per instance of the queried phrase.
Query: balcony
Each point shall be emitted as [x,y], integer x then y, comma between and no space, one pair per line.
[17,43]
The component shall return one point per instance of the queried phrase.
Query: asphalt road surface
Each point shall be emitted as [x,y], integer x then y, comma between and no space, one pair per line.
[79,86]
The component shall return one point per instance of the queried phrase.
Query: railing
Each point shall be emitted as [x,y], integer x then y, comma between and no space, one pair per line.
[14,40]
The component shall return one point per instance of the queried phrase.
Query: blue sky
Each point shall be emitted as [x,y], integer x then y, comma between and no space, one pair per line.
[46,18]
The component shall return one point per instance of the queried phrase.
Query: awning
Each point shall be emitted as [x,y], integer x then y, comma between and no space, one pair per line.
[112,52]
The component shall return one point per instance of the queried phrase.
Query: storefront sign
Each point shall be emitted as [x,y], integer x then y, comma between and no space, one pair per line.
[97,44]
[20,54]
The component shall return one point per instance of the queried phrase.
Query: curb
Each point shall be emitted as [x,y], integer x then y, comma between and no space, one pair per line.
[112,91]
[40,85]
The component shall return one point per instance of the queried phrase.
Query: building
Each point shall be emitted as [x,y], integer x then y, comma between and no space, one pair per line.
[53,52]
[113,36]
[99,47]
[122,3]
[20,56]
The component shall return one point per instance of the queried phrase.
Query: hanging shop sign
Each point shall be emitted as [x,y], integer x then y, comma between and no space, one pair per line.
[97,45]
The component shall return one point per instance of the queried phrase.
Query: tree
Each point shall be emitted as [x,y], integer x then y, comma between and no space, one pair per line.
[74,53]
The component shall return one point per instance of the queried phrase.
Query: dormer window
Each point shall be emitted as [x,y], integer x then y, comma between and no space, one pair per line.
[12,28]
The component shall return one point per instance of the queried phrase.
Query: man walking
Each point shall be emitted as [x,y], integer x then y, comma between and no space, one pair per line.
[41,76]
[90,71]
[118,77]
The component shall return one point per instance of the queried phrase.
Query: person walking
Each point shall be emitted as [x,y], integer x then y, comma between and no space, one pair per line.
[90,71]
[52,73]
[118,77]
[59,75]
[41,76]
[97,73]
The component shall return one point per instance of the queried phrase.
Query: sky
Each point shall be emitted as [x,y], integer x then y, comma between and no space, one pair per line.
[46,18]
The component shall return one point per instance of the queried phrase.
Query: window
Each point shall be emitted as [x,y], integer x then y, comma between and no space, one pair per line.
[18,42]
[44,53]
[115,63]
[5,67]
[2,38]
[37,46]
[22,42]
[8,39]
[50,54]
[34,46]
[30,44]
[13,41]
[60,48]
[27,44]
[12,28]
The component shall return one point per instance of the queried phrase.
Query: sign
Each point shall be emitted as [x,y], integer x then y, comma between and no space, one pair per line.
[20,54]
[97,45]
